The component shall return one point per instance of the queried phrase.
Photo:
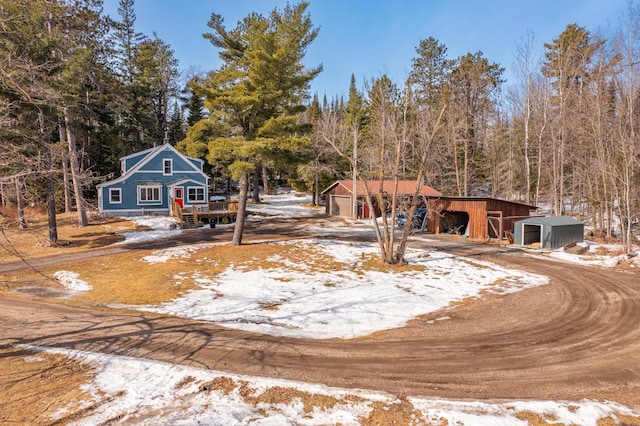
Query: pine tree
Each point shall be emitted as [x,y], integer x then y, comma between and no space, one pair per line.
[429,73]
[154,86]
[567,63]
[195,106]
[49,52]
[473,84]
[176,126]
[261,88]
[125,44]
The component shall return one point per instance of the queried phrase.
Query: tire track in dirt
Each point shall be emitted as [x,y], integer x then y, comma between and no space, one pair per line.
[577,337]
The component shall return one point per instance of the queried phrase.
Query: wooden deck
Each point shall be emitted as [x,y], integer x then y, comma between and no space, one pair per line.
[212,212]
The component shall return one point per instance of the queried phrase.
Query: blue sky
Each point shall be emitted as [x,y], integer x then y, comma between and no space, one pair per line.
[373,37]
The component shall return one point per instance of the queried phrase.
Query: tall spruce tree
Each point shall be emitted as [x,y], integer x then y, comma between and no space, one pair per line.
[195,106]
[125,45]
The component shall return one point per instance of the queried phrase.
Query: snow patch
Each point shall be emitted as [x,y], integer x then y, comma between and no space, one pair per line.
[292,299]
[160,227]
[181,252]
[71,281]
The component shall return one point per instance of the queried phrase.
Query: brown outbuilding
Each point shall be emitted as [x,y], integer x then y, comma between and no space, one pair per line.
[475,217]
[339,200]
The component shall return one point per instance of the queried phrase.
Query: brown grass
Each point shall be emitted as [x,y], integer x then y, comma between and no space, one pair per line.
[32,392]
[535,419]
[396,413]
[128,279]
[32,242]
[276,395]
[400,412]
[373,263]
[116,279]
[620,420]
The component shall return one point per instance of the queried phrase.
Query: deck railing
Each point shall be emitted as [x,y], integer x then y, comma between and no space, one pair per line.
[214,209]
[210,210]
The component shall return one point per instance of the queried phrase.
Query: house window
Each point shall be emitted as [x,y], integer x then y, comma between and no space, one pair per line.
[167,166]
[195,195]
[115,195]
[148,194]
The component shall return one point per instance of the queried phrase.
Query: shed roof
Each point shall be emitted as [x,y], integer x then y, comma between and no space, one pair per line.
[484,199]
[405,187]
[552,220]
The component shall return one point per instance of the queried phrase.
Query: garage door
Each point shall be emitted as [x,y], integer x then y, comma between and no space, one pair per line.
[340,205]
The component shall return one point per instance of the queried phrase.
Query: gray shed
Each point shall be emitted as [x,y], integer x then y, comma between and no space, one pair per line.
[549,232]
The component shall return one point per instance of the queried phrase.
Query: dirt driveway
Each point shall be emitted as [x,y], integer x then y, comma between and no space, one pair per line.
[578,337]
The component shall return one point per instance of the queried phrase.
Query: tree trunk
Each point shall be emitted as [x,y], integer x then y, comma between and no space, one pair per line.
[51,197]
[65,181]
[265,180]
[255,178]
[20,204]
[316,190]
[75,173]
[527,161]
[238,230]
[65,171]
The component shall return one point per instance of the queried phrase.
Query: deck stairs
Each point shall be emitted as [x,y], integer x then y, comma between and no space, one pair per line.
[188,221]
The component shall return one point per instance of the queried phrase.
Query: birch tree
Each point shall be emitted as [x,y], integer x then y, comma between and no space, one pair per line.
[626,147]
[387,135]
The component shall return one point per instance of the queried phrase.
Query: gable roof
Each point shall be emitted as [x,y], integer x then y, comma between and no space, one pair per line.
[149,154]
[405,187]
[143,152]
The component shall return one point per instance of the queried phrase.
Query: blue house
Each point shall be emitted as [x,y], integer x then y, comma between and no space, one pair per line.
[151,181]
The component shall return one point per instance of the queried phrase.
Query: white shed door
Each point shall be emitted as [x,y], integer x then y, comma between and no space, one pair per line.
[340,205]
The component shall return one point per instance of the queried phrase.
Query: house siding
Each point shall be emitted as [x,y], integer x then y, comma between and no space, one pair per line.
[147,169]
[133,159]
[156,164]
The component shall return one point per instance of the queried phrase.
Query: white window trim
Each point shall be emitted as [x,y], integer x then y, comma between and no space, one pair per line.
[164,161]
[111,192]
[149,202]
[195,188]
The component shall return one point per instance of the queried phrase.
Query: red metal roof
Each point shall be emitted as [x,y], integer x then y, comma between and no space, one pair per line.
[405,187]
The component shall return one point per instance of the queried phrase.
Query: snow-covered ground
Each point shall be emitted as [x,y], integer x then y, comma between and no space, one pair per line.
[284,205]
[147,392]
[604,255]
[347,301]
[350,301]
